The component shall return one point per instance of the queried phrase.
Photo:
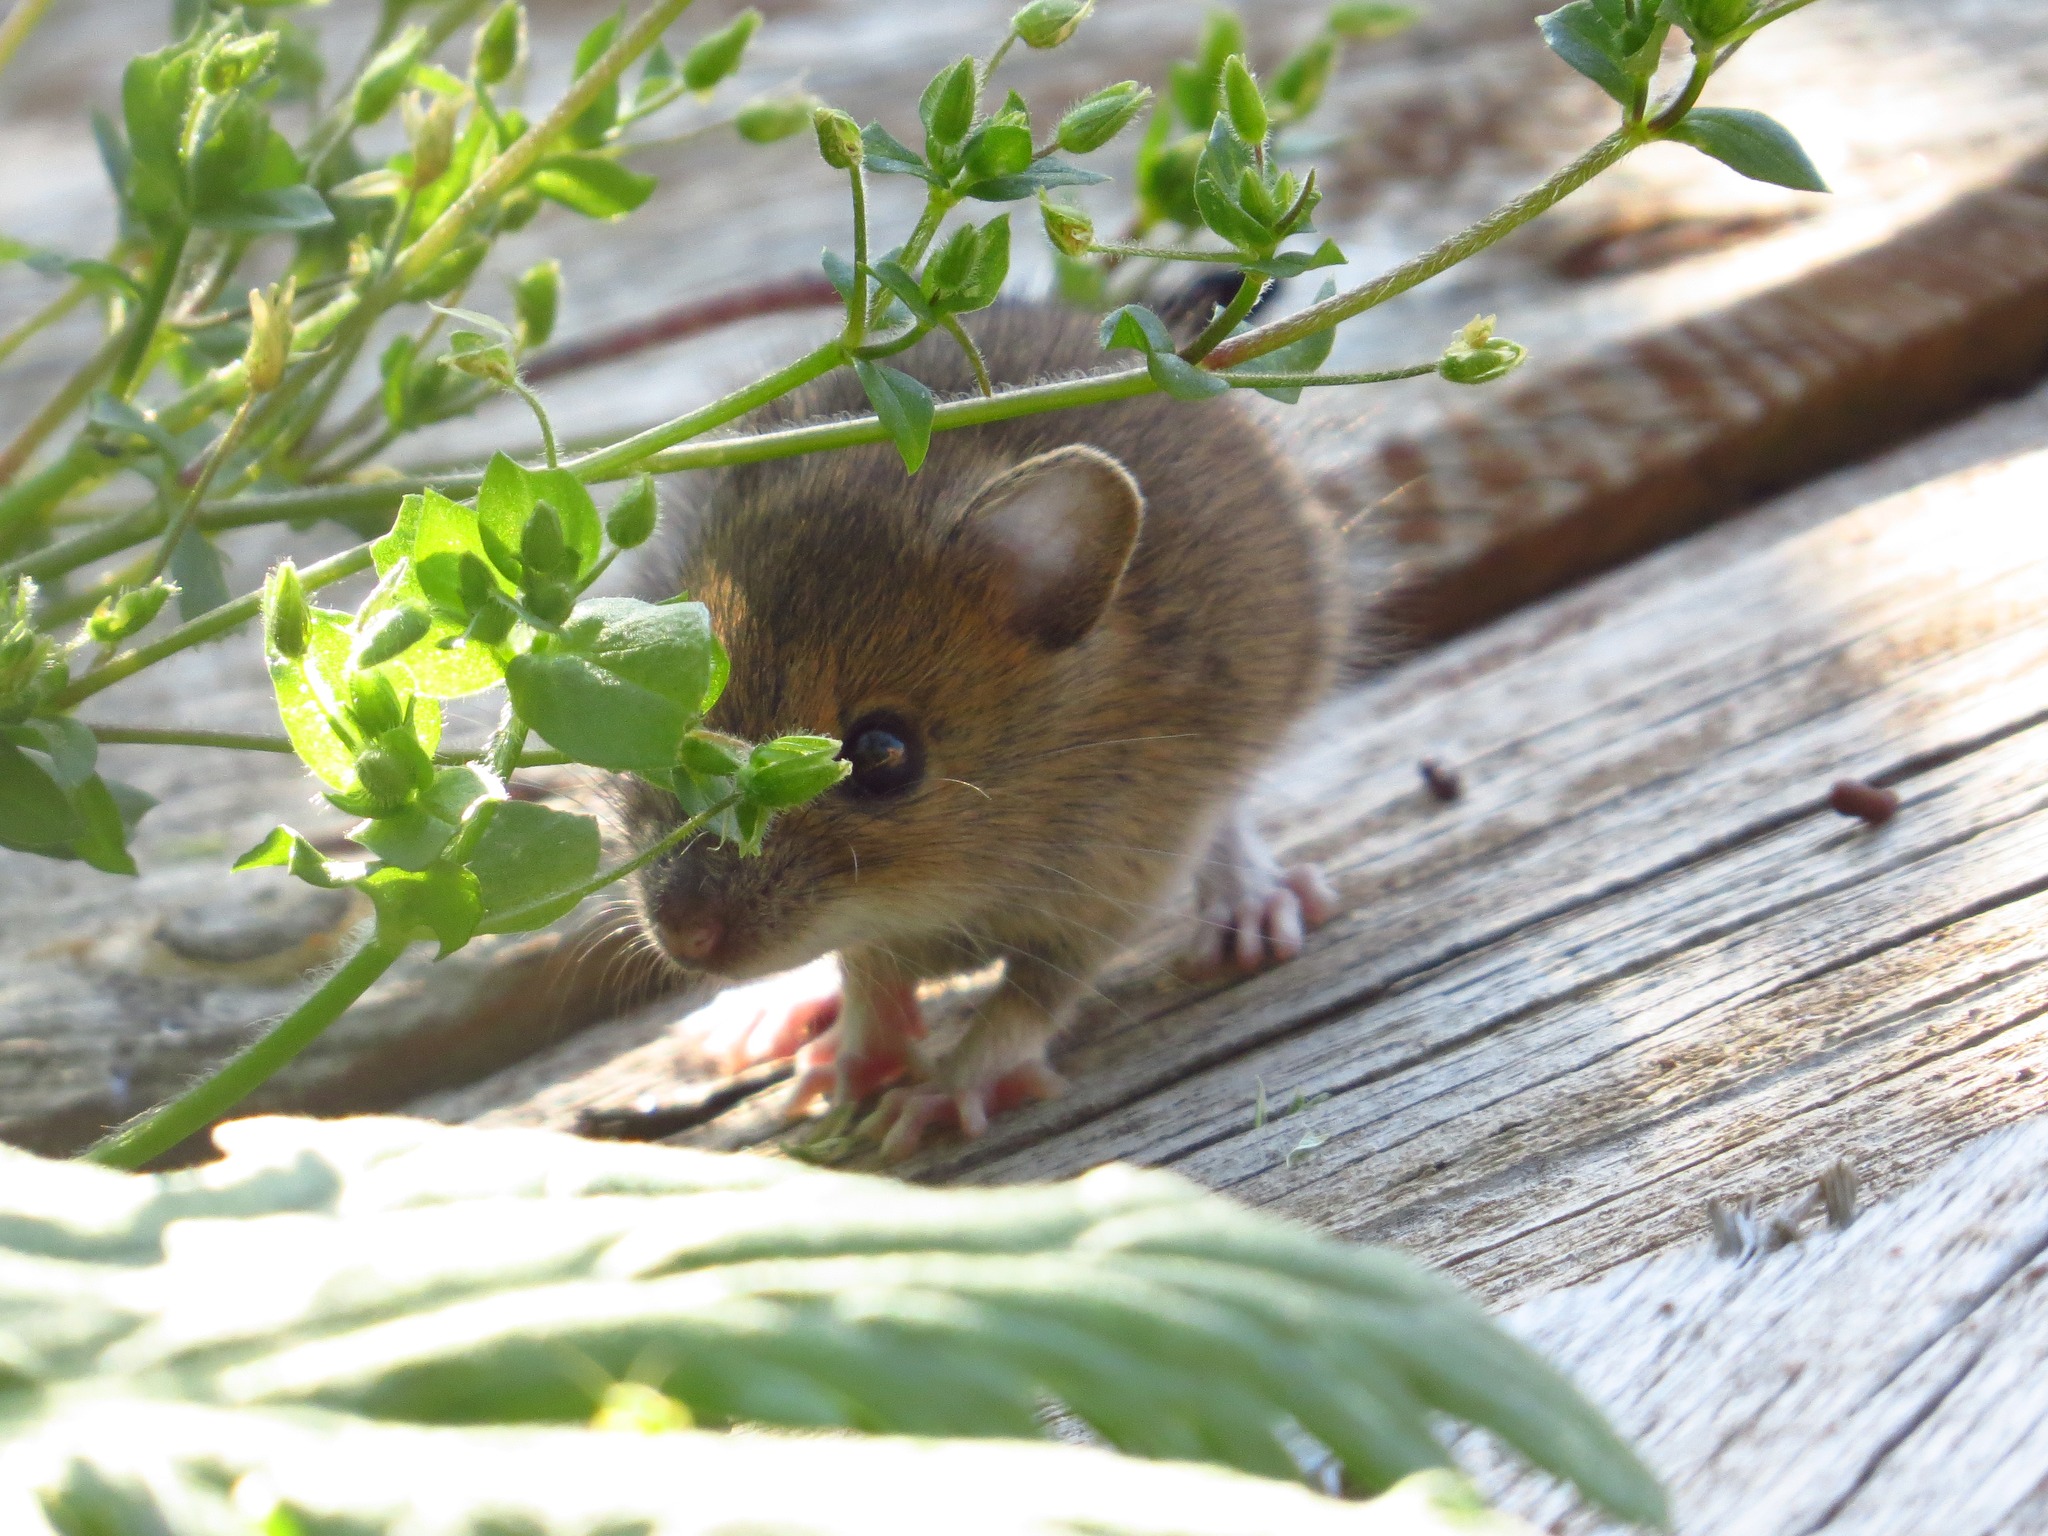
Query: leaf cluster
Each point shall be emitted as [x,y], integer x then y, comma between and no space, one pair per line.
[385,1272]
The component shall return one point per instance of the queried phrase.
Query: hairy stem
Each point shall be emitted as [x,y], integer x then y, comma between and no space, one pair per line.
[217,622]
[142,328]
[248,1069]
[857,301]
[624,457]
[1227,318]
[1317,380]
[215,457]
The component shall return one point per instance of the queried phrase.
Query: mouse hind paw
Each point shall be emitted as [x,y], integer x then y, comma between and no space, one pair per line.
[1252,912]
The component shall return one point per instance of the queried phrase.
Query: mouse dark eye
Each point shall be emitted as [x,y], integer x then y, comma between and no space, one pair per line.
[886,753]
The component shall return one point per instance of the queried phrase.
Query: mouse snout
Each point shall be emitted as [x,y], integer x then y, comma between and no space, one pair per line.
[692,924]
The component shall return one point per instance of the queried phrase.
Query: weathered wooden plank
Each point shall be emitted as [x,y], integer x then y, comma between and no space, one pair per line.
[1881,1380]
[1432,129]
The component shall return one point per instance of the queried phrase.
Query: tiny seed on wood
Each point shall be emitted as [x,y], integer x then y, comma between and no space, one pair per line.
[1866,802]
[1440,779]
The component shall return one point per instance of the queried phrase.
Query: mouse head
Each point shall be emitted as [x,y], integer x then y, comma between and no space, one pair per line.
[952,633]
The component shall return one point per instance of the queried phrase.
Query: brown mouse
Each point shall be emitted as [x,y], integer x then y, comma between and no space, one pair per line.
[1056,658]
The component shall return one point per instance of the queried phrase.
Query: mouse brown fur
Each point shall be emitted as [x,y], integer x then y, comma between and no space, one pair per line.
[1096,624]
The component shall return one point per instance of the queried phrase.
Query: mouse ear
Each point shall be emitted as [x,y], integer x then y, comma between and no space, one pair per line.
[1050,540]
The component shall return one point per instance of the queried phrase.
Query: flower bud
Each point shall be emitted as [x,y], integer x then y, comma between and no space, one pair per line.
[117,618]
[838,138]
[947,106]
[535,299]
[790,770]
[518,209]
[386,779]
[768,118]
[481,358]
[1477,356]
[1241,96]
[1093,121]
[718,55]
[270,336]
[711,755]
[475,582]
[1048,23]
[286,615]
[235,61]
[386,75]
[542,548]
[499,42]
[548,599]
[430,130]
[630,522]
[1068,229]
[373,703]
[391,633]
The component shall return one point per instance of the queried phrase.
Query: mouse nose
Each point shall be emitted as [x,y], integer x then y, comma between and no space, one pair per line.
[696,938]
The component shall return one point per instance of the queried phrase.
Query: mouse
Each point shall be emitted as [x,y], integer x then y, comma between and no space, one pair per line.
[1056,658]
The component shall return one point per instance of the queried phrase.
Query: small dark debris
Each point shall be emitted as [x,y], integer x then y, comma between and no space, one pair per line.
[2024,1075]
[1866,802]
[1440,779]
[654,1117]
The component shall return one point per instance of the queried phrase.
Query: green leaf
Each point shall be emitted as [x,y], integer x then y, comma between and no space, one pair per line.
[1293,263]
[506,500]
[527,853]
[104,841]
[35,813]
[998,149]
[196,568]
[1303,356]
[595,120]
[1029,183]
[892,276]
[1134,328]
[885,155]
[443,665]
[1579,35]
[592,185]
[285,849]
[282,210]
[409,838]
[595,716]
[441,900]
[1184,380]
[790,770]
[309,699]
[904,407]
[718,55]
[1757,146]
[947,106]
[839,273]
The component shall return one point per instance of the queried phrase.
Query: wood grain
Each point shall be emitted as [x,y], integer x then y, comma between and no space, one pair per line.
[1881,1380]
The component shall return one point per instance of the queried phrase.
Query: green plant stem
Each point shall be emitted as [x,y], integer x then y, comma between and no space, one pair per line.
[520,156]
[504,921]
[42,319]
[1671,116]
[56,410]
[217,622]
[857,301]
[142,327]
[624,457]
[192,1111]
[1317,380]
[540,414]
[20,21]
[249,741]
[209,467]
[1227,318]
[1122,251]
[1503,221]
[1756,24]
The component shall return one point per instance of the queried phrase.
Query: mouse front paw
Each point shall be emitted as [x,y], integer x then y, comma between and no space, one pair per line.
[905,1115]
[768,1020]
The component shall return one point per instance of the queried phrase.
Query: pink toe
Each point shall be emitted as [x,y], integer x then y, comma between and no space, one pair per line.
[1283,925]
[1318,897]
